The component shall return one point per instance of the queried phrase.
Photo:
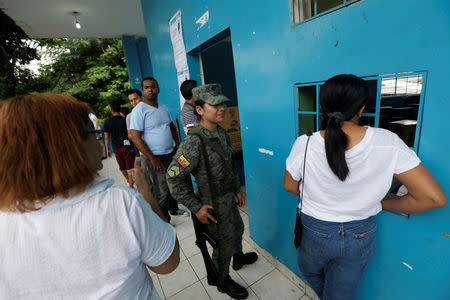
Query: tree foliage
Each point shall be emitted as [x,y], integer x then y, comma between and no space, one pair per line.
[14,53]
[92,70]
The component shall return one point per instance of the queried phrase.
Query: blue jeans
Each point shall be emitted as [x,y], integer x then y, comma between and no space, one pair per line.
[332,256]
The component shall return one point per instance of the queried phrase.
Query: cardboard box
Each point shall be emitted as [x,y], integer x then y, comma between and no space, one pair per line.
[232,126]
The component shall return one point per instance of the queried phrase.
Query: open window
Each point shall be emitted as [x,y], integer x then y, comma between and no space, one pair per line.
[303,10]
[396,105]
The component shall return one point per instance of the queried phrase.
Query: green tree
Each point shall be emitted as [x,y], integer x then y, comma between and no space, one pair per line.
[15,52]
[92,70]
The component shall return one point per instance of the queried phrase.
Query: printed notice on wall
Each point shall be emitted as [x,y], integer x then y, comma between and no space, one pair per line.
[179,51]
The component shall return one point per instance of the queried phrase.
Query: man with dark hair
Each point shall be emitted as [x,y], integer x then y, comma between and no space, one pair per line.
[116,127]
[135,96]
[188,117]
[155,135]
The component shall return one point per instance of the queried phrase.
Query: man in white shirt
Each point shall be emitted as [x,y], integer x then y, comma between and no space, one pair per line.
[156,137]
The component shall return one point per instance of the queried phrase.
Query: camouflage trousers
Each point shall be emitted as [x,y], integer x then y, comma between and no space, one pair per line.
[227,232]
[160,190]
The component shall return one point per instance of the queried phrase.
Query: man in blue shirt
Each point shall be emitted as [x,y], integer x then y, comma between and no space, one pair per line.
[155,135]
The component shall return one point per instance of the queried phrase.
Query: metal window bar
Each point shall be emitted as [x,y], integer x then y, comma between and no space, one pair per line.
[304,10]
[300,10]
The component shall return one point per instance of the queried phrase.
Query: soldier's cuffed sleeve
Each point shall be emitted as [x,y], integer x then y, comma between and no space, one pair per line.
[178,174]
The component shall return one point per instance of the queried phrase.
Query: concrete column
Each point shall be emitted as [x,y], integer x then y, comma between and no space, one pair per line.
[133,61]
[144,57]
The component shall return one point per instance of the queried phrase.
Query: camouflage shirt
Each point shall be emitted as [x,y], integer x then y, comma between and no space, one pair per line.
[189,160]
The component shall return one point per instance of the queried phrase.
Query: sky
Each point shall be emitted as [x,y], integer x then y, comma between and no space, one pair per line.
[35,64]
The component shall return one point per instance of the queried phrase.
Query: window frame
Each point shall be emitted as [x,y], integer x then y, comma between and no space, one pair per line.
[344,4]
[376,114]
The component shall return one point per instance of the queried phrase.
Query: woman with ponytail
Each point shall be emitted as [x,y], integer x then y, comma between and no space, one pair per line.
[347,170]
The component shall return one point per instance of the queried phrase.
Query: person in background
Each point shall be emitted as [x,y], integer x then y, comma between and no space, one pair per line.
[116,128]
[134,96]
[220,193]
[94,120]
[188,117]
[63,234]
[124,111]
[96,123]
[348,171]
[156,137]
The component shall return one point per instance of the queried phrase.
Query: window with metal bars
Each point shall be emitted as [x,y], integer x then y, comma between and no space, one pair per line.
[302,10]
[396,105]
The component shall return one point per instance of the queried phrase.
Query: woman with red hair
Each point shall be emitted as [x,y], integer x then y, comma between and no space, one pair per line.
[63,234]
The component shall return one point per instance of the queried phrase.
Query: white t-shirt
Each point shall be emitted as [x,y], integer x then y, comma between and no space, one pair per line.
[155,124]
[372,164]
[91,246]
[128,121]
[93,119]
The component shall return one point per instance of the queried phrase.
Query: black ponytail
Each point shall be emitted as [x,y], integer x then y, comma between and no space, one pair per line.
[335,145]
[341,98]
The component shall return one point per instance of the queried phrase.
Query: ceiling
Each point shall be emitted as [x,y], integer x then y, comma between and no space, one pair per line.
[98,18]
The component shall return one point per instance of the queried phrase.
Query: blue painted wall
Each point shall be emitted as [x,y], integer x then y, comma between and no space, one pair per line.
[367,38]
[137,59]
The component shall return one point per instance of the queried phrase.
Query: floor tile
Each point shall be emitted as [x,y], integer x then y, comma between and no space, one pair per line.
[216,295]
[275,286]
[252,273]
[246,247]
[246,235]
[182,256]
[213,292]
[244,217]
[244,208]
[152,274]
[291,276]
[193,292]
[310,292]
[158,288]
[189,247]
[198,265]
[178,220]
[185,229]
[236,277]
[252,295]
[182,277]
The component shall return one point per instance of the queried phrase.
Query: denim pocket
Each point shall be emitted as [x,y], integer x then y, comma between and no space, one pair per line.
[314,242]
[366,239]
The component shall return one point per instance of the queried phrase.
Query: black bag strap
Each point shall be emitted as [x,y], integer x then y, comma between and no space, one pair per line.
[207,166]
[300,197]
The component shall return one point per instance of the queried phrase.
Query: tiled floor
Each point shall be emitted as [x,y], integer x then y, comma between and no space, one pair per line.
[265,279]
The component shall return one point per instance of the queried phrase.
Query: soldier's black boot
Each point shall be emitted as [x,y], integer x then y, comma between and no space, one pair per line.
[241,259]
[232,288]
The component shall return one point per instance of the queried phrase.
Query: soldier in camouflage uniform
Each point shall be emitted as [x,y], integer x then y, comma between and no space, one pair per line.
[227,230]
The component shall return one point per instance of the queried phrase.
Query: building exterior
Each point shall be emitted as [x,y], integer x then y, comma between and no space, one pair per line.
[278,68]
[271,57]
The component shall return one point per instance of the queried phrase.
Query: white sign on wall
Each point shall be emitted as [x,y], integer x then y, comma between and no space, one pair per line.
[179,51]
[203,19]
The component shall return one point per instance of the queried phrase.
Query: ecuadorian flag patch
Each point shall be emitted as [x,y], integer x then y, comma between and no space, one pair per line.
[183,161]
